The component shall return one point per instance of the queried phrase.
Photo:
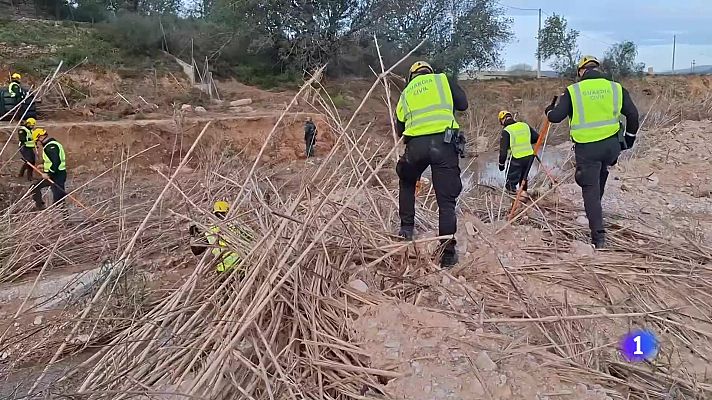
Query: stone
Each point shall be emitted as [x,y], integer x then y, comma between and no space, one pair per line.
[445,280]
[186,107]
[38,320]
[240,102]
[417,367]
[581,388]
[484,362]
[581,249]
[652,181]
[702,191]
[79,339]
[242,110]
[359,285]
[200,109]
[581,220]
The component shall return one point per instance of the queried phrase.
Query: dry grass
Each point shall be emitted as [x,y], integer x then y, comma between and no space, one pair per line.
[284,329]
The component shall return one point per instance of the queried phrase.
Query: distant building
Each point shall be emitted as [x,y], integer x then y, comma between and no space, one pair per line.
[650,71]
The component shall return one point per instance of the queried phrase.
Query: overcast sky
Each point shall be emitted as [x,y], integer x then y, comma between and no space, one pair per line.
[651,24]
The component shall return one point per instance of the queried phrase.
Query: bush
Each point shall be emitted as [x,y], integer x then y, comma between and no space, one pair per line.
[136,34]
[229,53]
[340,101]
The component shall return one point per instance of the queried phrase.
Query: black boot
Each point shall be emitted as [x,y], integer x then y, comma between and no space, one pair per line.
[598,239]
[449,258]
[406,232]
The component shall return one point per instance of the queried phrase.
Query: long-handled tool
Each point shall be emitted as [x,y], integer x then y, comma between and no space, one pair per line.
[74,199]
[504,188]
[537,146]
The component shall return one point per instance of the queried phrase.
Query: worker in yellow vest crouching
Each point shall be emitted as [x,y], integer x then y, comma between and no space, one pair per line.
[225,246]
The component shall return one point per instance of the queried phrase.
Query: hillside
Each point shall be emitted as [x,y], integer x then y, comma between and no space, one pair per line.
[105,299]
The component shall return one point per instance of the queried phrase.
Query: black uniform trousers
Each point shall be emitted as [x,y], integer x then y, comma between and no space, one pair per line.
[518,171]
[58,190]
[592,162]
[444,162]
[27,154]
[310,143]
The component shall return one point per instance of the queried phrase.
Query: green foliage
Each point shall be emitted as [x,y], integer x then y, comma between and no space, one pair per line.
[521,68]
[340,101]
[43,44]
[560,43]
[619,60]
[134,33]
[270,42]
[469,39]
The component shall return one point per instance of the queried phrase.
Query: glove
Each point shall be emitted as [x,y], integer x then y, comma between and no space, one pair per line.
[193,230]
[548,108]
[501,167]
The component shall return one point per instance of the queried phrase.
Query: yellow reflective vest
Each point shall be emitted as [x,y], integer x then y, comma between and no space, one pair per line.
[13,89]
[426,106]
[228,259]
[48,161]
[520,138]
[28,142]
[597,105]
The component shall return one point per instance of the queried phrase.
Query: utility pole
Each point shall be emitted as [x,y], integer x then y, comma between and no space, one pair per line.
[692,70]
[538,49]
[673,53]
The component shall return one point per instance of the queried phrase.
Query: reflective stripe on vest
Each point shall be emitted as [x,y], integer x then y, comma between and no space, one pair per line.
[28,137]
[228,258]
[426,106]
[12,88]
[520,138]
[48,162]
[597,105]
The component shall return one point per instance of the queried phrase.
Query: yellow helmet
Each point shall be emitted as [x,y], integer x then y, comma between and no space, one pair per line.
[30,122]
[221,206]
[16,76]
[37,132]
[418,65]
[503,114]
[587,59]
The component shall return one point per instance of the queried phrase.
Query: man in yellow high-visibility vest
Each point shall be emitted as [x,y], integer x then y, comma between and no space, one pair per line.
[27,147]
[54,167]
[516,139]
[218,242]
[594,107]
[425,117]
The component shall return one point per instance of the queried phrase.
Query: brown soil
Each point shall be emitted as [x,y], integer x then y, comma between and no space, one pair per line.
[434,341]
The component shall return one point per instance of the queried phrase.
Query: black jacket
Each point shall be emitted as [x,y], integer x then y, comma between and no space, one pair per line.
[504,141]
[309,130]
[564,109]
[22,135]
[459,101]
[52,152]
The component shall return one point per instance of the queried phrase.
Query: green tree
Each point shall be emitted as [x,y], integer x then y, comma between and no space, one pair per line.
[559,43]
[521,68]
[619,60]
[466,35]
